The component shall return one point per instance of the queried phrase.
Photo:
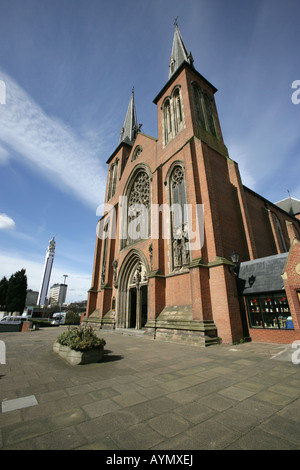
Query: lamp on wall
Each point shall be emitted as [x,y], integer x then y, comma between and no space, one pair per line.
[251,280]
[235,258]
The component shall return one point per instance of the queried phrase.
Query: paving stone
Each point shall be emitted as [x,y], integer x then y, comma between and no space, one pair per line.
[63,439]
[148,382]
[169,424]
[291,411]
[11,418]
[285,390]
[18,432]
[79,389]
[236,420]
[180,441]
[161,405]
[195,412]
[41,411]
[258,439]
[183,396]
[236,393]
[137,437]
[174,385]
[217,401]
[256,408]
[104,443]
[273,398]
[97,384]
[100,407]
[102,426]
[250,385]
[67,418]
[212,435]
[129,398]
[211,386]
[127,387]
[51,396]
[286,429]
[154,392]
[103,393]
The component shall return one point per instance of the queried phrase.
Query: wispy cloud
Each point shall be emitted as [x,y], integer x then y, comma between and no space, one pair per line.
[4,156]
[50,145]
[78,282]
[6,222]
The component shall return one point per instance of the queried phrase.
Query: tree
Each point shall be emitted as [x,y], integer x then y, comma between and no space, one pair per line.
[3,292]
[16,292]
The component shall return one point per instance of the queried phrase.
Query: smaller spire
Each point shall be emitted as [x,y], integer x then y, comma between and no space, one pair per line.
[179,52]
[129,129]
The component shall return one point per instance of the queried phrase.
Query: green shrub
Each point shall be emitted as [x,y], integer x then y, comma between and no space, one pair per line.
[82,338]
[41,322]
[72,318]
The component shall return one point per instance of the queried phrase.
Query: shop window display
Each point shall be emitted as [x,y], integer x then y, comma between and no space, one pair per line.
[269,311]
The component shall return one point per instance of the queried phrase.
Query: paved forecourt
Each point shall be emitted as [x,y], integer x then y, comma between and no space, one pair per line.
[148,394]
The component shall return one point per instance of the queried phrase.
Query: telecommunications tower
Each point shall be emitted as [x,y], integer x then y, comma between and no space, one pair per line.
[47,272]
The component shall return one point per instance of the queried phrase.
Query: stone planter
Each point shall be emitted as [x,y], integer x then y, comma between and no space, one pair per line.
[78,357]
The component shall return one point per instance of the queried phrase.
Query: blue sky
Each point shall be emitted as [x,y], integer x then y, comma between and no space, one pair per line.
[69,66]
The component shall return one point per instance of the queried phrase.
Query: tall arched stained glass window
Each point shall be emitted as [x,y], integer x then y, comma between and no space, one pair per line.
[178,118]
[104,252]
[204,109]
[113,175]
[179,221]
[138,218]
[173,116]
[167,121]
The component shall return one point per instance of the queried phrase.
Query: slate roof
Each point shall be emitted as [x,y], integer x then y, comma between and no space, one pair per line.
[290,205]
[261,275]
[130,127]
[179,53]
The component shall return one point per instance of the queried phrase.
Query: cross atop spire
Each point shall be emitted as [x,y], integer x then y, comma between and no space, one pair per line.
[179,52]
[129,129]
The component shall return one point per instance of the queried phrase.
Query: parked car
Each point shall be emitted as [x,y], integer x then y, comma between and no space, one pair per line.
[9,319]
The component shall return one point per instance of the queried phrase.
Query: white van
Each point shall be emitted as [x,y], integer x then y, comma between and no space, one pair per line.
[59,318]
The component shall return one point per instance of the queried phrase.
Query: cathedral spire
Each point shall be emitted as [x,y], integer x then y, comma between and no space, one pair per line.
[129,129]
[179,52]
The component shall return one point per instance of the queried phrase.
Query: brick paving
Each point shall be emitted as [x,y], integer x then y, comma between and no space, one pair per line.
[148,394]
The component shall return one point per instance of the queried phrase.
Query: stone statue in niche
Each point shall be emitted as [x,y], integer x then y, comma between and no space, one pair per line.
[115,272]
[151,255]
[177,251]
[181,254]
[103,273]
[137,152]
[138,274]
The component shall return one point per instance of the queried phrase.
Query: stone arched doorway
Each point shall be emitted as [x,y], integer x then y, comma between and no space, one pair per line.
[132,308]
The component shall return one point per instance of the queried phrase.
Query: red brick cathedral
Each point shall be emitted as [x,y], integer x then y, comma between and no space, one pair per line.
[184,250]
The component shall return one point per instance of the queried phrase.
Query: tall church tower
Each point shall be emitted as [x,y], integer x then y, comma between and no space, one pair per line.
[175,211]
[195,169]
